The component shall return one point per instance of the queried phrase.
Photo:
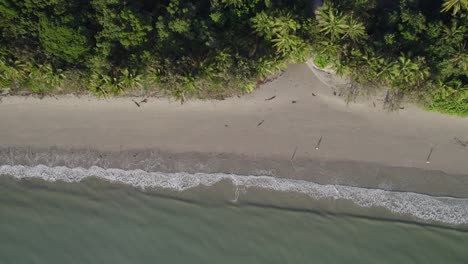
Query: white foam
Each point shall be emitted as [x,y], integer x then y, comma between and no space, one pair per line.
[424,207]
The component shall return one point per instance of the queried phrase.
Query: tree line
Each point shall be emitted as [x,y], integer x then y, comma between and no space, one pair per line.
[219,48]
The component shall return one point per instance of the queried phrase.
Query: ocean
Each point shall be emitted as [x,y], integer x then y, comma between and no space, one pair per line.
[95,215]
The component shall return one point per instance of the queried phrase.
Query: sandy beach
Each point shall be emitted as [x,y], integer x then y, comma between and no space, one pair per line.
[359,144]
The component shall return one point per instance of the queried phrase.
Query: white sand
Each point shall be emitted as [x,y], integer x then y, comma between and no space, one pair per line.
[357,132]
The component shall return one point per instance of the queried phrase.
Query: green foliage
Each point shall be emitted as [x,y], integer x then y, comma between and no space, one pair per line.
[332,23]
[405,47]
[8,14]
[405,73]
[450,98]
[13,73]
[120,24]
[128,80]
[281,32]
[43,79]
[455,6]
[104,85]
[218,48]
[321,60]
[100,84]
[38,78]
[66,43]
[459,108]
[248,86]
[336,25]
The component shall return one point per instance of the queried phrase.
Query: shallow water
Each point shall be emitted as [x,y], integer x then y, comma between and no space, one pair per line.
[94,221]
[415,206]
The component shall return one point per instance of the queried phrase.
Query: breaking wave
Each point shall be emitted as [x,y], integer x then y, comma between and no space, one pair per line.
[424,207]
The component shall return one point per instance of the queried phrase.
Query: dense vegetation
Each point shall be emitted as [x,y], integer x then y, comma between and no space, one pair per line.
[217,48]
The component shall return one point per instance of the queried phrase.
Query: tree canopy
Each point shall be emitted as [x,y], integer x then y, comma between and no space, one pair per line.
[218,48]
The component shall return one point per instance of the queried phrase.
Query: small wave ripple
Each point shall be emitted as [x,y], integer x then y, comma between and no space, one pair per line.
[424,207]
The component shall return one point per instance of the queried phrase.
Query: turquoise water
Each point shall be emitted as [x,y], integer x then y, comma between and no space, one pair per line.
[97,222]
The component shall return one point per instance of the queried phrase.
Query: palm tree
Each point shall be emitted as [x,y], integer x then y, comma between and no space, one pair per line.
[407,72]
[128,80]
[330,49]
[453,33]
[285,25]
[263,25]
[43,78]
[14,72]
[385,71]
[455,6]
[355,29]
[459,57]
[280,31]
[453,89]
[286,44]
[100,84]
[331,22]
[337,27]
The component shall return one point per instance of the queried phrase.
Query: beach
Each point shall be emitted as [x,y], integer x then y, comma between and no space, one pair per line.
[288,174]
[233,132]
[358,144]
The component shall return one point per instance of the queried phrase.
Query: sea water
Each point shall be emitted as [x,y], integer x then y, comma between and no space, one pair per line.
[95,215]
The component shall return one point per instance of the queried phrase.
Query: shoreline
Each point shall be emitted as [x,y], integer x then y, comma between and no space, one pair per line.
[323,172]
[260,189]
[359,145]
